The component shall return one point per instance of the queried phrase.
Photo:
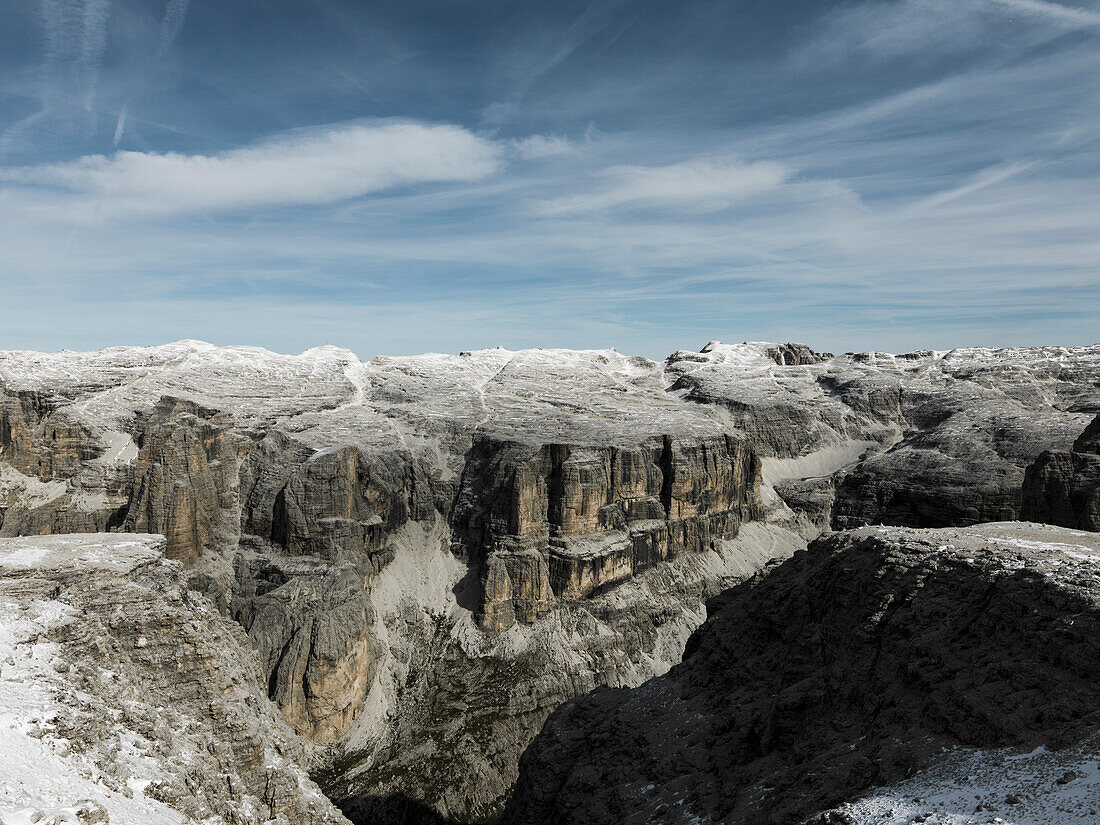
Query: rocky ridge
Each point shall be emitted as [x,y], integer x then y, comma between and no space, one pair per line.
[430,553]
[855,663]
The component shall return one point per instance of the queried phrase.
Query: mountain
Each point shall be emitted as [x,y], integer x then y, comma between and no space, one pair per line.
[427,555]
[1063,487]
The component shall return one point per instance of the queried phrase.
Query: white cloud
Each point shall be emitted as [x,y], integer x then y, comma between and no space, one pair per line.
[695,185]
[542,146]
[312,167]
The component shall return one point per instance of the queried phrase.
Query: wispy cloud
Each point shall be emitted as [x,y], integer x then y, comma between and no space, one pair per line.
[984,179]
[923,173]
[542,146]
[311,167]
[174,14]
[120,124]
[1057,11]
[929,30]
[889,30]
[76,36]
[698,185]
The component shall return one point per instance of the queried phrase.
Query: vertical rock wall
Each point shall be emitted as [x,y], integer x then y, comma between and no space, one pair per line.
[1063,488]
[568,521]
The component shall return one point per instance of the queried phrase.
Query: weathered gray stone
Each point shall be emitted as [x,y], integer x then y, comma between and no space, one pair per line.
[369,522]
[151,682]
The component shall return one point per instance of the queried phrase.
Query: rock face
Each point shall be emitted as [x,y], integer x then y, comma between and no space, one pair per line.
[127,675]
[1064,487]
[923,439]
[430,553]
[465,711]
[854,663]
[569,521]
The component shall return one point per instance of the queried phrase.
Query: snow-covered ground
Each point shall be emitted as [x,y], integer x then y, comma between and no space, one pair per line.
[975,787]
[252,383]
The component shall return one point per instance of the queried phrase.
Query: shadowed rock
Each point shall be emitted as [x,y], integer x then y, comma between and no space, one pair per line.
[431,553]
[1064,487]
[854,663]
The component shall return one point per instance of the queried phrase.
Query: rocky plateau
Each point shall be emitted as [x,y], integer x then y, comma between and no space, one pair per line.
[390,573]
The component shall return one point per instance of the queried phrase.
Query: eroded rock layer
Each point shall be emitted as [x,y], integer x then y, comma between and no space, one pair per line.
[565,521]
[855,663]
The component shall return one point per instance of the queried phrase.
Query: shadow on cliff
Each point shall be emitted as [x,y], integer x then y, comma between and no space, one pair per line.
[467,590]
[396,809]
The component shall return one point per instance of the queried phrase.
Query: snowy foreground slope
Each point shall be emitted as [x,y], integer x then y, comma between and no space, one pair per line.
[120,693]
[40,775]
[425,556]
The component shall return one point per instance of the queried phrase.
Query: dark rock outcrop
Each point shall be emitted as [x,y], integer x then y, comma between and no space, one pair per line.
[854,663]
[1063,488]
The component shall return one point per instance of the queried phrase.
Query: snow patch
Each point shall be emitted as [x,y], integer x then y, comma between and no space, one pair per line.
[966,787]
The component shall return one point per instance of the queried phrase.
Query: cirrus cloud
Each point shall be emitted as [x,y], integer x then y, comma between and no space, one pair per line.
[700,185]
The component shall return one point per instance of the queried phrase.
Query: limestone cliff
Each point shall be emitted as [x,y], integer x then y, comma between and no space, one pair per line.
[569,521]
[114,671]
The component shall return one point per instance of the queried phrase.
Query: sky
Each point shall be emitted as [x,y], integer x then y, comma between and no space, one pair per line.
[407,177]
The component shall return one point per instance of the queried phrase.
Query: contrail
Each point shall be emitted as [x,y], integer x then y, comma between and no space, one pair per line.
[171,25]
[174,14]
[76,38]
[93,42]
[121,125]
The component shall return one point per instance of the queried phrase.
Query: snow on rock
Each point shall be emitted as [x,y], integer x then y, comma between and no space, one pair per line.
[239,454]
[972,787]
[126,698]
[42,778]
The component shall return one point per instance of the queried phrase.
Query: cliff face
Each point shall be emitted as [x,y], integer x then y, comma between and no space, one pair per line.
[428,554]
[855,663]
[288,486]
[565,522]
[1064,487]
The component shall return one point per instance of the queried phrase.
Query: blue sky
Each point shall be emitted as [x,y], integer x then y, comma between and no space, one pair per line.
[398,178]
